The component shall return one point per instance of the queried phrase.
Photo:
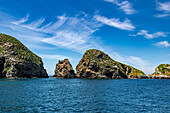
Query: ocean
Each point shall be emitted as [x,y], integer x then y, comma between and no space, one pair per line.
[50,95]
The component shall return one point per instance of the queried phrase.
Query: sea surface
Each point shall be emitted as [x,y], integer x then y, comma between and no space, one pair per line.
[83,95]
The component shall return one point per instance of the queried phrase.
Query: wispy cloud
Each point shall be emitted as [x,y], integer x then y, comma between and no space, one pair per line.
[115,22]
[164,7]
[33,26]
[163,44]
[67,32]
[126,6]
[150,36]
[162,15]
[21,20]
[73,33]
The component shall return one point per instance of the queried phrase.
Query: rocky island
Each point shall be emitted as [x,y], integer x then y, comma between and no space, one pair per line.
[97,64]
[161,72]
[17,61]
[64,70]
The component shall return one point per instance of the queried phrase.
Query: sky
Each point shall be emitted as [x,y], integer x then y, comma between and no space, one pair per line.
[133,32]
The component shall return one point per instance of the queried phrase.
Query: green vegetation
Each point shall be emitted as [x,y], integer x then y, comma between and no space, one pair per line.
[1,49]
[21,51]
[8,68]
[92,54]
[104,60]
[163,69]
[137,72]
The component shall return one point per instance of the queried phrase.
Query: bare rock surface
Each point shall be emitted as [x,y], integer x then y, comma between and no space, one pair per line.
[64,69]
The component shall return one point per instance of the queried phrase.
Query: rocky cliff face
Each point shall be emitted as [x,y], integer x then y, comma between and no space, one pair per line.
[161,72]
[17,61]
[97,64]
[64,69]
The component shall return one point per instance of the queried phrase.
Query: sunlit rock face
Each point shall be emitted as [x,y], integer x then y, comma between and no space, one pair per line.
[64,69]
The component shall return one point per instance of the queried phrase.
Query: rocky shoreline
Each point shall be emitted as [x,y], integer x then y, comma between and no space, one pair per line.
[95,64]
[17,61]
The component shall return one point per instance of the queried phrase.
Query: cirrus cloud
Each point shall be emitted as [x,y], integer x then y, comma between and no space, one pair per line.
[150,36]
[164,7]
[126,6]
[115,22]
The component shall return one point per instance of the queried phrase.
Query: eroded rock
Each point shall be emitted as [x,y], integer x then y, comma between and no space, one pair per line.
[64,70]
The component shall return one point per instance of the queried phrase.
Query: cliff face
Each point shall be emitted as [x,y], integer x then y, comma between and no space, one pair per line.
[17,61]
[161,72]
[64,69]
[97,64]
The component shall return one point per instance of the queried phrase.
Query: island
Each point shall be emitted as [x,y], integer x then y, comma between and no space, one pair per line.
[95,64]
[17,61]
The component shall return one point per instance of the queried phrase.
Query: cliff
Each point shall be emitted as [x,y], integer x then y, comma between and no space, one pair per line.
[17,61]
[64,69]
[161,72]
[97,64]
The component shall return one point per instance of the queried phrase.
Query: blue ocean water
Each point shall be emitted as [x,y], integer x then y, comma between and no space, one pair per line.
[83,95]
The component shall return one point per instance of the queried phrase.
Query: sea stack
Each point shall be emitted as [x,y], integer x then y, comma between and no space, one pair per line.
[64,69]
[97,64]
[161,72]
[17,61]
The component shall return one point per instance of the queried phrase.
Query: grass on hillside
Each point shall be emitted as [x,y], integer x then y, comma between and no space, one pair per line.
[22,52]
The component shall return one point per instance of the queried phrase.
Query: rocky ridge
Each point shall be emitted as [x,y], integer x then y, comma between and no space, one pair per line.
[17,61]
[97,64]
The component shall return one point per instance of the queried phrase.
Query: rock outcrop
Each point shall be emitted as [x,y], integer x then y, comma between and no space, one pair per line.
[17,61]
[97,64]
[161,72]
[64,70]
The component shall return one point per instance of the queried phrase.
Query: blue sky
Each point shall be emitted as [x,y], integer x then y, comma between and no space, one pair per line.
[134,32]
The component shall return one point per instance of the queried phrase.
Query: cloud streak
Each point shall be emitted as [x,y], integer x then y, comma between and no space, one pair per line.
[163,44]
[21,20]
[125,6]
[67,32]
[151,36]
[162,15]
[164,7]
[114,22]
